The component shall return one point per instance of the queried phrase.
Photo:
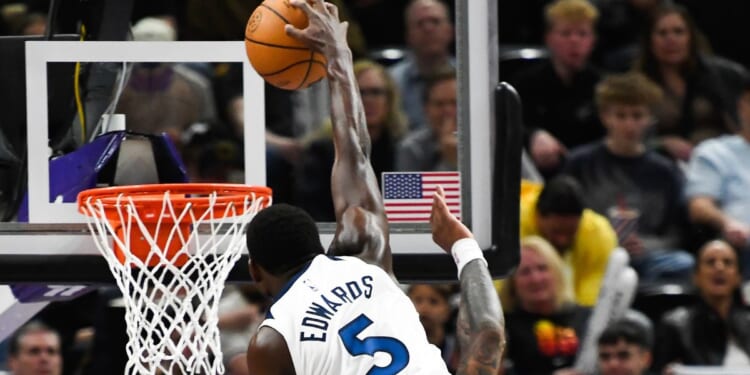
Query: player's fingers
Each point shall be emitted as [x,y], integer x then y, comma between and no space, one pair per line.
[294,32]
[333,9]
[440,191]
[303,5]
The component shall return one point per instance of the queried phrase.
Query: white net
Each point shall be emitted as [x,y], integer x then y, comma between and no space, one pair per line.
[172,308]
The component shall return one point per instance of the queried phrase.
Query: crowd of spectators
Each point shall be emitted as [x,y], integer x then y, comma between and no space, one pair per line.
[637,120]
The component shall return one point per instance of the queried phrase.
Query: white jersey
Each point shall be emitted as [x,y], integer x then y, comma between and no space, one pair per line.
[341,315]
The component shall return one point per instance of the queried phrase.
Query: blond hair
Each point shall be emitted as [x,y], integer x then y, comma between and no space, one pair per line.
[630,88]
[395,120]
[571,11]
[540,246]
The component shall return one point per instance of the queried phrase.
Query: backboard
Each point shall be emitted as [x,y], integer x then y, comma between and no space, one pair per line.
[54,246]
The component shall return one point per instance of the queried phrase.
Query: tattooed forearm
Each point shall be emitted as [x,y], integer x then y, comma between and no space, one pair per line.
[484,353]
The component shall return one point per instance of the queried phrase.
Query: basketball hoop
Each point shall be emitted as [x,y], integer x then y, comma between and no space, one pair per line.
[172,248]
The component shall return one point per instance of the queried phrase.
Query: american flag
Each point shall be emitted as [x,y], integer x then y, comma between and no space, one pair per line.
[408,196]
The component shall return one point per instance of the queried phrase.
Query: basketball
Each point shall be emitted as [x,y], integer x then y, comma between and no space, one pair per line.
[281,60]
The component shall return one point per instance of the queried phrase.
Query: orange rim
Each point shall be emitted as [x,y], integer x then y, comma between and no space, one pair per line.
[150,197]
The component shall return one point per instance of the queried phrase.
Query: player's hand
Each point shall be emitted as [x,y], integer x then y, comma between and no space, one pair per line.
[736,233]
[546,150]
[446,229]
[324,33]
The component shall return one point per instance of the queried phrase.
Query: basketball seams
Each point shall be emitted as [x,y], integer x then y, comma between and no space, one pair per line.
[307,72]
[265,75]
[300,48]
[276,13]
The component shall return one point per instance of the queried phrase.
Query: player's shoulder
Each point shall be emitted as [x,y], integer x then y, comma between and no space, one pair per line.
[268,353]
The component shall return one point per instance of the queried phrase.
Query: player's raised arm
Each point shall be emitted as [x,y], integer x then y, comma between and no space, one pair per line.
[481,325]
[361,224]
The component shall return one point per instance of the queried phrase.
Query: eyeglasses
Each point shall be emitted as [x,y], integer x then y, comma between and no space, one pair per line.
[375,91]
[622,355]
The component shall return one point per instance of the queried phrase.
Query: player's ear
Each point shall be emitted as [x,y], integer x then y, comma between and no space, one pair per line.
[255,271]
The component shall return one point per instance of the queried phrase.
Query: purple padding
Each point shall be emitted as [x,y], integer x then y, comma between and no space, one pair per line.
[26,293]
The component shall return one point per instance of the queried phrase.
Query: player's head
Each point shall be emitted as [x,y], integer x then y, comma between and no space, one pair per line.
[625,347]
[625,103]
[429,30]
[35,349]
[717,274]
[440,98]
[570,31]
[280,239]
[558,211]
[539,280]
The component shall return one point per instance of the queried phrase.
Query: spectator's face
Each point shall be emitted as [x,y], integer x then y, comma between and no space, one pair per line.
[570,43]
[372,88]
[434,311]
[670,40]
[626,123]
[441,105]
[429,32]
[39,354]
[534,280]
[559,230]
[717,275]
[623,359]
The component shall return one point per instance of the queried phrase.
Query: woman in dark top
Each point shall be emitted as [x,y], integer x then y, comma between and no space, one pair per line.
[715,331]
[700,90]
[543,325]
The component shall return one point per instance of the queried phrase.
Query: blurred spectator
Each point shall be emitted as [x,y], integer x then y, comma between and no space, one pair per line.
[557,94]
[716,330]
[35,350]
[386,125]
[429,34]
[241,310]
[713,18]
[620,177]
[164,97]
[583,238]
[543,325]
[700,90]
[433,147]
[625,346]
[718,185]
[33,24]
[520,22]
[433,303]
[619,29]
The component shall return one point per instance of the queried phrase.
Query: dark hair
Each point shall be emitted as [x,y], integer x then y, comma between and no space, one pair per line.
[442,75]
[627,330]
[647,63]
[282,237]
[14,343]
[562,196]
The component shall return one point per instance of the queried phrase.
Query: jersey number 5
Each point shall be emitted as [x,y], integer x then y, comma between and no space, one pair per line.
[371,345]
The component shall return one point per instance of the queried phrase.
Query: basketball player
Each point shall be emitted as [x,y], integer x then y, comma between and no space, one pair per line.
[338,314]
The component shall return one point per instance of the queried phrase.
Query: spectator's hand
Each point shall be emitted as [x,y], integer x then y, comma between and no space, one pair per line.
[448,141]
[678,147]
[567,371]
[736,233]
[324,33]
[546,150]
[633,245]
[446,229]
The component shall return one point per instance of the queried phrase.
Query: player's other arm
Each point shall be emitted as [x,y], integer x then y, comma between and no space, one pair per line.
[268,354]
[481,325]
[362,227]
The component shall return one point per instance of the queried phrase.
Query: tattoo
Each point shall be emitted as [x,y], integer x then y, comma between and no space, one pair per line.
[484,354]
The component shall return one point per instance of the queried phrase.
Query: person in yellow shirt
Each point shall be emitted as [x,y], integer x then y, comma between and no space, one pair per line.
[585,239]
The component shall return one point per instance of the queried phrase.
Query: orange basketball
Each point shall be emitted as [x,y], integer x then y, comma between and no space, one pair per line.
[281,60]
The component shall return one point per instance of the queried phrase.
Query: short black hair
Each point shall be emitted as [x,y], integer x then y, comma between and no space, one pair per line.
[14,343]
[282,237]
[630,331]
[561,196]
